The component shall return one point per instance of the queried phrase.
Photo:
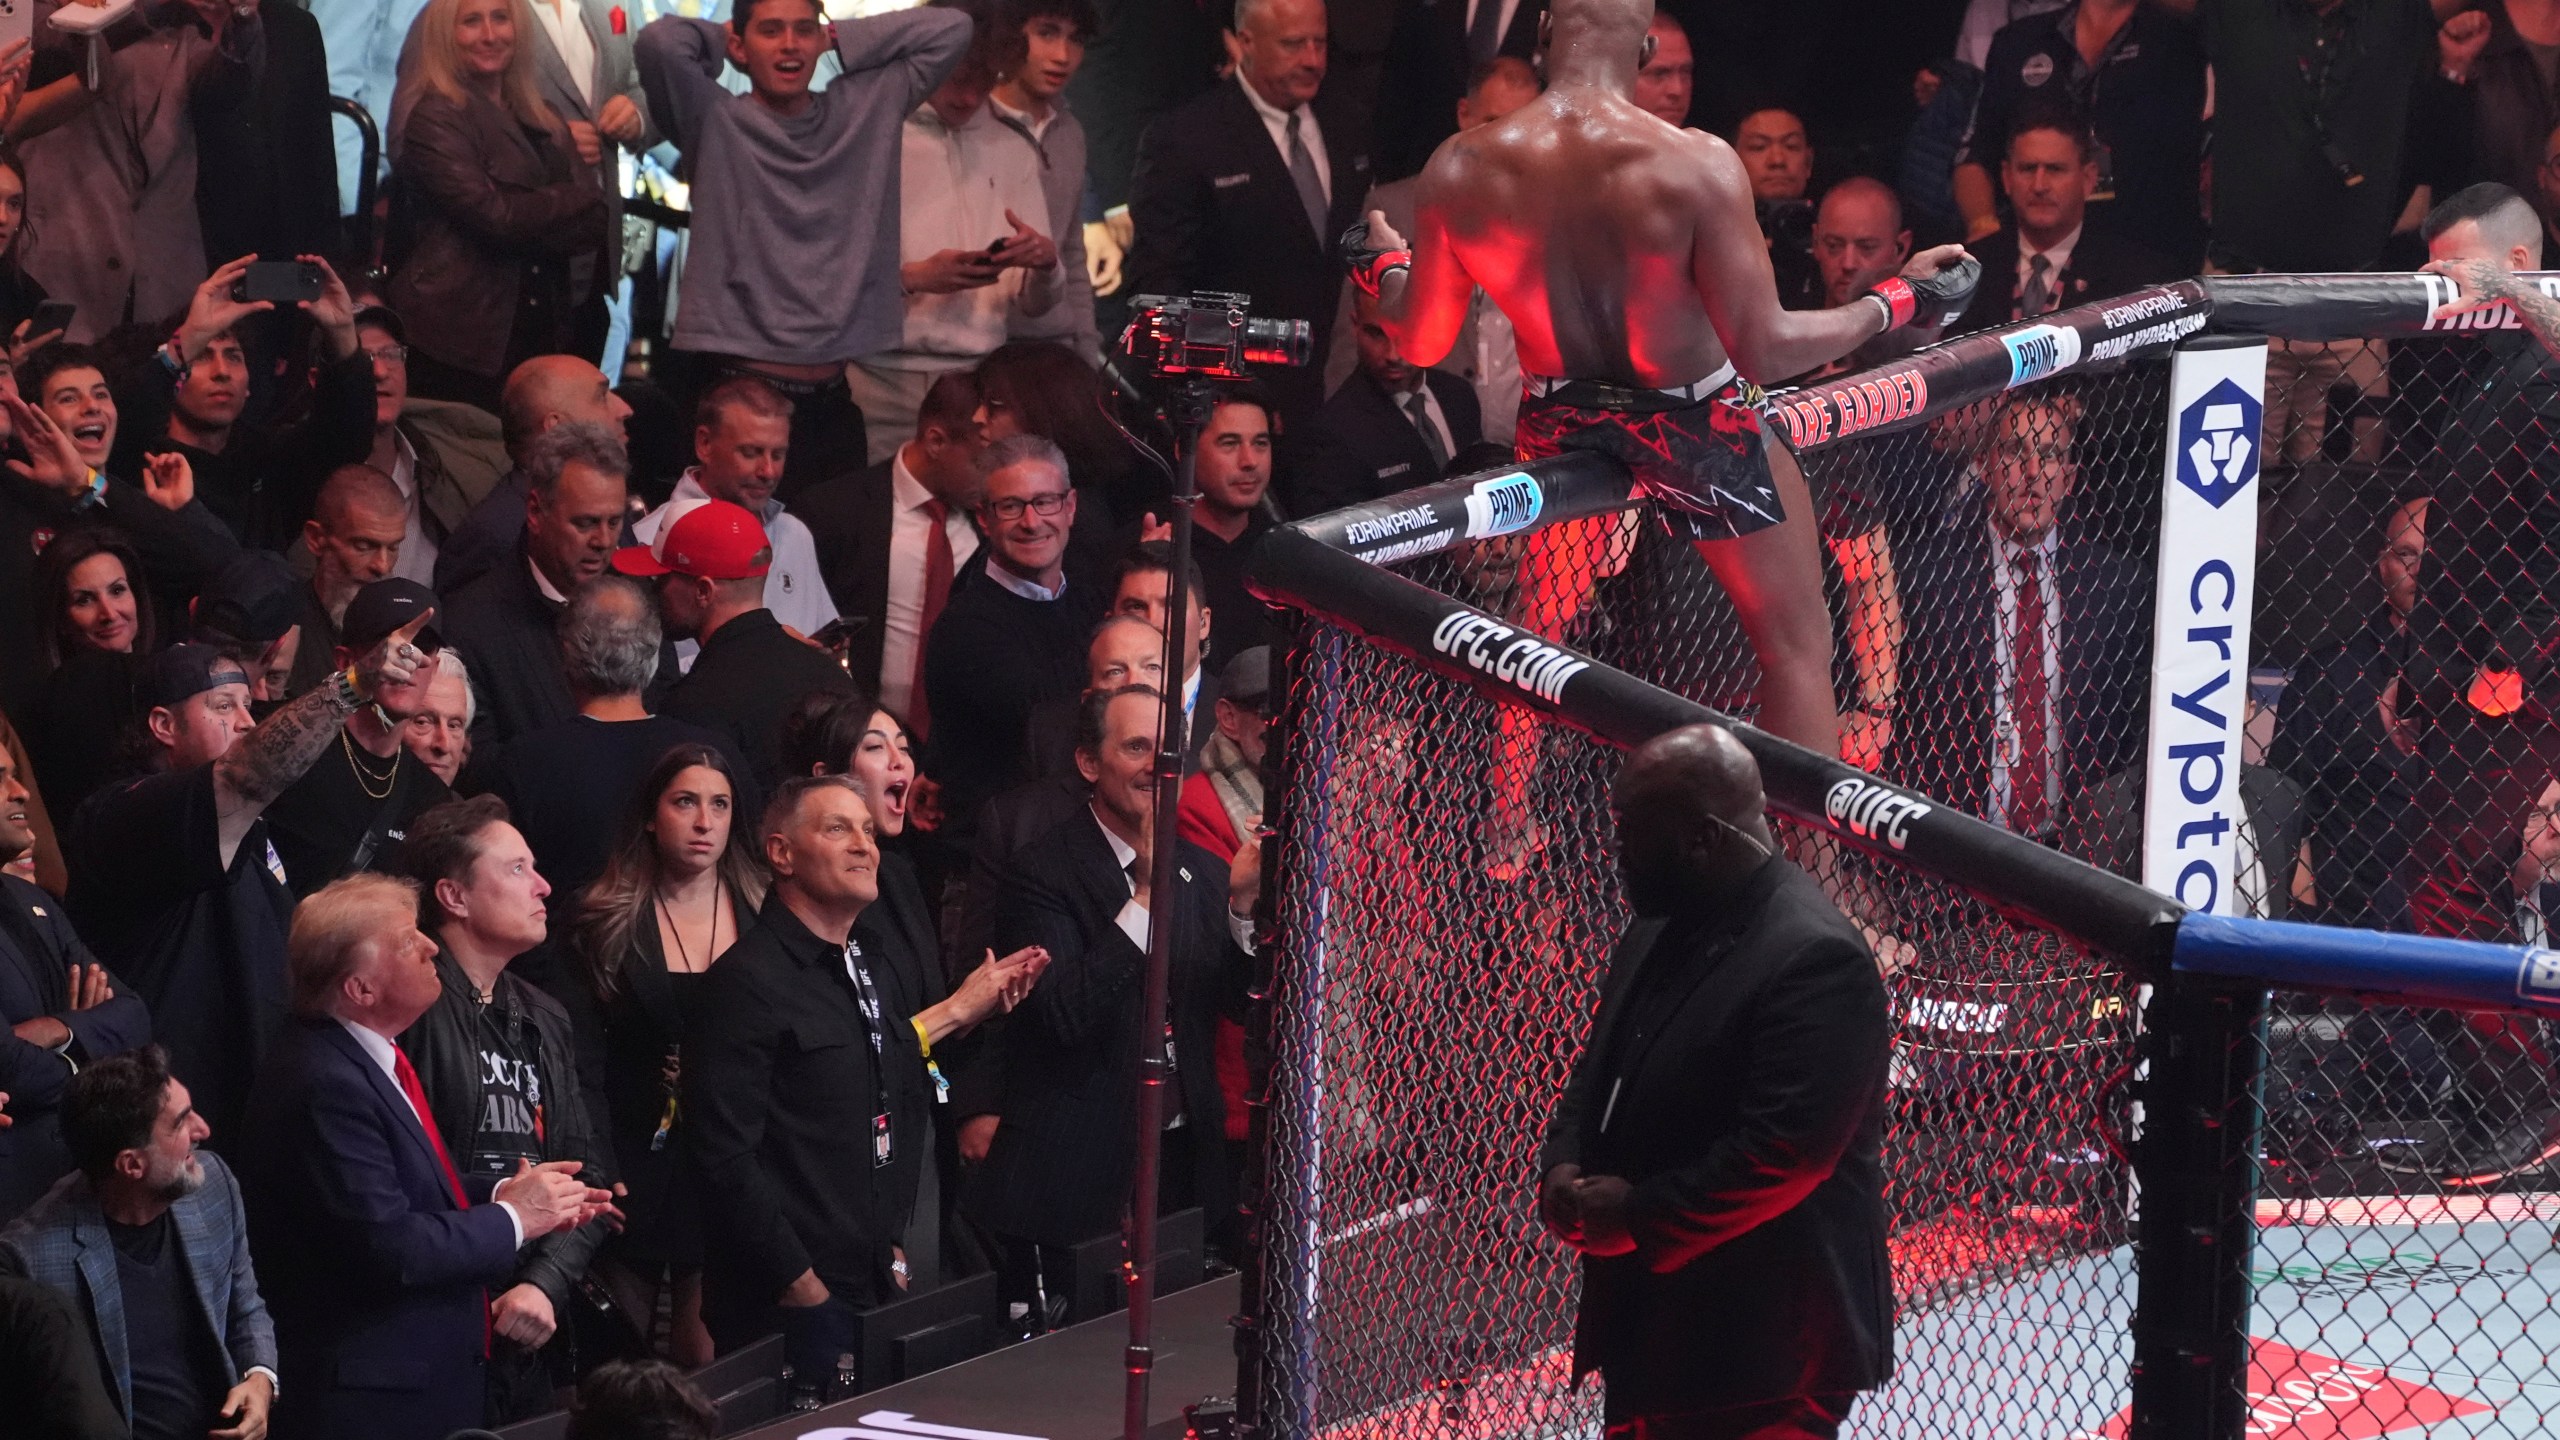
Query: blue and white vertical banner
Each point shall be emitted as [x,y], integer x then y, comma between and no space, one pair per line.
[2200,628]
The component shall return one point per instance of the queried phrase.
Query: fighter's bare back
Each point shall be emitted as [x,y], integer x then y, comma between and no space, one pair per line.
[1594,225]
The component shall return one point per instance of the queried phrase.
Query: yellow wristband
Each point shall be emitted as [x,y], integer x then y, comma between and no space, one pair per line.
[924,1042]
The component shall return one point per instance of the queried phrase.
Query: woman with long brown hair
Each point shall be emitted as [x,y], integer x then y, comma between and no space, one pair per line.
[97,632]
[683,877]
[500,208]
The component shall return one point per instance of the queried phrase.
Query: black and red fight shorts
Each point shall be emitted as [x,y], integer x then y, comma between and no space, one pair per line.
[1695,450]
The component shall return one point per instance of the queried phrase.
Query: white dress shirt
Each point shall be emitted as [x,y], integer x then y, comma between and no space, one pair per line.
[378,1048]
[566,23]
[1276,121]
[1431,409]
[910,529]
[417,548]
[793,589]
[954,187]
[2004,728]
[2057,258]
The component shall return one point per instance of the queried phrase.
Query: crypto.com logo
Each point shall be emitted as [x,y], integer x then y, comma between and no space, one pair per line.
[2218,443]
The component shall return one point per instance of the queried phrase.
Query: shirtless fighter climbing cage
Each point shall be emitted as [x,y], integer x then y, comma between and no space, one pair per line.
[1627,256]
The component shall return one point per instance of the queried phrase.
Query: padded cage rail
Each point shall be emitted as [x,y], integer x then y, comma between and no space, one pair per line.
[1422,1008]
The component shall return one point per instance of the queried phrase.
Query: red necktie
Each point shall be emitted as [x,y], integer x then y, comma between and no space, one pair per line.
[417,1094]
[937,589]
[2030,806]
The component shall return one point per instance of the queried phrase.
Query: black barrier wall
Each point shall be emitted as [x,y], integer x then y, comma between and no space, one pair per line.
[1430,979]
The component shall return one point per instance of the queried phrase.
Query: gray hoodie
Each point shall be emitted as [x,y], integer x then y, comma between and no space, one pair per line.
[794,255]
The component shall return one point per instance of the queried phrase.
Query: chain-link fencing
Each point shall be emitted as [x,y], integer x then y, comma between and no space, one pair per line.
[1988,520]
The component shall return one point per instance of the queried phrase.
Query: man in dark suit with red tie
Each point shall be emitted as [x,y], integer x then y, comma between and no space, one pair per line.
[1249,187]
[878,552]
[2028,644]
[2047,258]
[375,1256]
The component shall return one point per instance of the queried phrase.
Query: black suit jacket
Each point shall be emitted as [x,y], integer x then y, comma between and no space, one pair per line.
[1216,210]
[508,633]
[851,518]
[377,1280]
[503,626]
[1365,446]
[37,950]
[1063,1156]
[1428,64]
[1943,739]
[1748,1122]
[2101,266]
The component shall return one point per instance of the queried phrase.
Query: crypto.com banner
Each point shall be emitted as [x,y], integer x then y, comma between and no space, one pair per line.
[2200,630]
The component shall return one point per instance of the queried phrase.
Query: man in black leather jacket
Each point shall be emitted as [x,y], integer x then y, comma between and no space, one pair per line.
[500,1070]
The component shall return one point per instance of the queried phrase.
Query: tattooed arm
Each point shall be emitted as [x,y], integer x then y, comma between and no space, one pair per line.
[2482,284]
[265,762]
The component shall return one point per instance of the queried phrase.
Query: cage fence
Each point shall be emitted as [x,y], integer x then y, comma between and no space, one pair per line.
[1451,897]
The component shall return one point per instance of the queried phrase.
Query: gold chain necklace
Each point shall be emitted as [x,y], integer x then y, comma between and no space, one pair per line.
[364,777]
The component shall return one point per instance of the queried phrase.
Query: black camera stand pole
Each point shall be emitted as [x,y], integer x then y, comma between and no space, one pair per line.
[1187,413]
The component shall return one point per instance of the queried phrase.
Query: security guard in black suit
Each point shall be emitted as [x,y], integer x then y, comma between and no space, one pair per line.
[1716,1156]
[1249,186]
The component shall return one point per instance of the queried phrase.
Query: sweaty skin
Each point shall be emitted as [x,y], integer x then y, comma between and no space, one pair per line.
[1624,249]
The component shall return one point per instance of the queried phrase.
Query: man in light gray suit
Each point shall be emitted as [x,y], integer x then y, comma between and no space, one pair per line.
[149,1241]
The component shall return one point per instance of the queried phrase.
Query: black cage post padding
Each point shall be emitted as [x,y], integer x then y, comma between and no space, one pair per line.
[2015,876]
[2197,1160]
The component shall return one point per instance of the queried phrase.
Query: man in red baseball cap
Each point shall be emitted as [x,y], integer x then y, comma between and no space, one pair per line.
[709,562]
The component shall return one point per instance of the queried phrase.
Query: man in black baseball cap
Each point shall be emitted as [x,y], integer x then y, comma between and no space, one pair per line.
[351,810]
[175,882]
[252,611]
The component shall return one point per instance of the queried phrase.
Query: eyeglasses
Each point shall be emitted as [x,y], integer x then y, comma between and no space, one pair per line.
[1011,509]
[389,355]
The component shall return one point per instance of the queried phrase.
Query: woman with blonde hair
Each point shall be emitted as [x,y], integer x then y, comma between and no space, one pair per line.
[495,208]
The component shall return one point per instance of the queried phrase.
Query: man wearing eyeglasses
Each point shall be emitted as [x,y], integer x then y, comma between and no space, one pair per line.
[1012,636]
[2029,639]
[1716,1156]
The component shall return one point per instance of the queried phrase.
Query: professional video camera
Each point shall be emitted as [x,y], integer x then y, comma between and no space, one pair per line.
[1210,335]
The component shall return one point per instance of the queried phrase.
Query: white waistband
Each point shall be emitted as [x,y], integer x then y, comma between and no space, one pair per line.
[1541,386]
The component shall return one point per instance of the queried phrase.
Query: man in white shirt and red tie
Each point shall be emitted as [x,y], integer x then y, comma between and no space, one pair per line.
[2029,642]
[375,1255]
[893,539]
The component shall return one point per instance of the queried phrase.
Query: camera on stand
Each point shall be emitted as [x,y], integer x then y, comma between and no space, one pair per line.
[1183,347]
[1211,334]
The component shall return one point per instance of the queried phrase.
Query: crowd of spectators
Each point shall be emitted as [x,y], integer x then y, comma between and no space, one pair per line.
[579,741]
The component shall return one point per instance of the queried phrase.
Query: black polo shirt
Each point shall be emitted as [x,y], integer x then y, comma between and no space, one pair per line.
[2303,103]
[2144,98]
